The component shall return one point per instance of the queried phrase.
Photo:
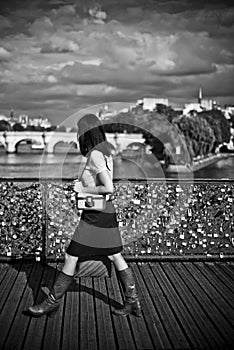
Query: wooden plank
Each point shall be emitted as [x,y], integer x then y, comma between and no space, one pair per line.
[88,330]
[53,329]
[106,338]
[220,276]
[201,291]
[205,330]
[72,316]
[21,321]
[216,297]
[121,326]
[157,332]
[228,269]
[219,288]
[9,280]
[167,317]
[204,308]
[12,302]
[224,331]
[183,317]
[139,329]
[35,335]
[3,271]
[176,300]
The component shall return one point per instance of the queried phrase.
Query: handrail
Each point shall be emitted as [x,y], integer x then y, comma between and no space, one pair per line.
[116,180]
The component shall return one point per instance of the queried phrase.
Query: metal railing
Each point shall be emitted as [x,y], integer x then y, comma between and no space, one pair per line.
[158,218]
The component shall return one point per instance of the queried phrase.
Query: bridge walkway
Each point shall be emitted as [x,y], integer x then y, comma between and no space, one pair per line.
[186,305]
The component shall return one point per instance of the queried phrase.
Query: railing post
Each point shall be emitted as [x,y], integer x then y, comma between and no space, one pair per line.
[44,186]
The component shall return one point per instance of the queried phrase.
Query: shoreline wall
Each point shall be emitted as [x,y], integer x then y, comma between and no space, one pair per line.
[197,164]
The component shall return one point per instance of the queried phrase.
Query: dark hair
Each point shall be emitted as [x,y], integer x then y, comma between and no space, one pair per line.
[92,135]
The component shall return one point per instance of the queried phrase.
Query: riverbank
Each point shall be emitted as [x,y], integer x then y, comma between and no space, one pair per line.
[36,164]
[197,164]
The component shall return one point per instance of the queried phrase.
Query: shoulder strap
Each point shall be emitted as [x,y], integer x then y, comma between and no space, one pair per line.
[106,163]
[82,172]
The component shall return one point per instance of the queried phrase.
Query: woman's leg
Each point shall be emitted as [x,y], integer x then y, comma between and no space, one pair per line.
[69,266]
[61,285]
[119,262]
[126,277]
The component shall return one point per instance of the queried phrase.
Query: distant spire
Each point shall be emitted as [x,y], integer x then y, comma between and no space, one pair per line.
[200,95]
[12,113]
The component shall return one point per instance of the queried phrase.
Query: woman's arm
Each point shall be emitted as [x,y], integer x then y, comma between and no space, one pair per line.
[106,186]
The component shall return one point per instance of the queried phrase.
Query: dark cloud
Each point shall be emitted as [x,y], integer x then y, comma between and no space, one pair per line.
[59,53]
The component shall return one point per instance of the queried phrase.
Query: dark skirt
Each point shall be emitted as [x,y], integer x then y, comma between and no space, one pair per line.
[97,234]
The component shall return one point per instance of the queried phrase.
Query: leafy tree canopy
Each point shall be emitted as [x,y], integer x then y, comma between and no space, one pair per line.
[4,125]
[17,127]
[213,117]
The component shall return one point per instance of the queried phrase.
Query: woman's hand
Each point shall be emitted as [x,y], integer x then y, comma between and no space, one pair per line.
[78,187]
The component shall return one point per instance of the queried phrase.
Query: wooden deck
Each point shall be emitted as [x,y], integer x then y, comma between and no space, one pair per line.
[186,305]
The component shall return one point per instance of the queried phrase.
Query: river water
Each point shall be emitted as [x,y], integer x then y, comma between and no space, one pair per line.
[35,164]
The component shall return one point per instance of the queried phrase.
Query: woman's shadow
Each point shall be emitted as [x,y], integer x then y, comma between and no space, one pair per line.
[40,277]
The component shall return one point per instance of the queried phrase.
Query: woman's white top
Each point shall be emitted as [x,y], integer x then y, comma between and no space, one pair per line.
[97,162]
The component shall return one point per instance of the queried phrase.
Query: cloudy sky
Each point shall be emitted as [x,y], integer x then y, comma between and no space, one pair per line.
[58,56]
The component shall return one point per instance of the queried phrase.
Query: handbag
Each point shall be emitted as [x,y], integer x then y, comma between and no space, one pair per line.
[97,266]
[90,201]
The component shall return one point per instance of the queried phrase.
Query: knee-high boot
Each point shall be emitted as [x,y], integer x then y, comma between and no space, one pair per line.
[132,303]
[51,304]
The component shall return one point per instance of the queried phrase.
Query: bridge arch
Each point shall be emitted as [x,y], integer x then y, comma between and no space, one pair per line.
[16,144]
[2,143]
[66,144]
[53,138]
[11,139]
[121,141]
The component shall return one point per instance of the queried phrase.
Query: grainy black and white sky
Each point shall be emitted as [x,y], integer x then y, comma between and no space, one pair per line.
[59,56]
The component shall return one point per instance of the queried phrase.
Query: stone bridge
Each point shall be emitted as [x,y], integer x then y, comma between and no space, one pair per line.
[48,140]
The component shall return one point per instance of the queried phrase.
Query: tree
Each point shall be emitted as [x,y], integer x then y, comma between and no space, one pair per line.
[215,126]
[157,147]
[51,128]
[168,111]
[4,125]
[165,138]
[30,128]
[198,134]
[18,127]
[222,128]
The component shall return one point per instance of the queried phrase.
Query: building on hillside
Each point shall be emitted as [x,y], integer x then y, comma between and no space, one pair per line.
[199,106]
[207,104]
[39,121]
[106,113]
[228,111]
[149,103]
[23,120]
[3,117]
[190,108]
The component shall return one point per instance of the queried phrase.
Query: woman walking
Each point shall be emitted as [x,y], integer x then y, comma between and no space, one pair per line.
[97,233]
